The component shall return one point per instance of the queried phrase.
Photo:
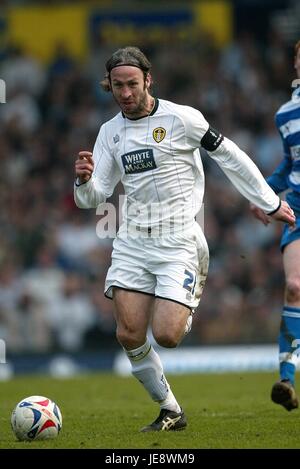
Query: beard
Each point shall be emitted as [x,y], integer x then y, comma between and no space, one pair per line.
[136,108]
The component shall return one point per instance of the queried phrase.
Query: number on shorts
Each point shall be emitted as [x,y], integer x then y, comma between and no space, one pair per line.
[189,281]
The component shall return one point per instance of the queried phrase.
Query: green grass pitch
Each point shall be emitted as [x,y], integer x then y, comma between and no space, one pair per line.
[107,411]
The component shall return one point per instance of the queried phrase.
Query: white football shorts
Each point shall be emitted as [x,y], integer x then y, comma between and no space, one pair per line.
[173,267]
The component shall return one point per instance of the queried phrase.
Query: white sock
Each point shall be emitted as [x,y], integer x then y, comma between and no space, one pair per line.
[147,368]
[170,402]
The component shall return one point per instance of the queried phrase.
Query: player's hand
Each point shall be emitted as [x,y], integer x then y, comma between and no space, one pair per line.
[260,214]
[286,214]
[84,166]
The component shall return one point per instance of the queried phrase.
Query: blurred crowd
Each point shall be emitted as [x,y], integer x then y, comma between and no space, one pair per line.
[53,265]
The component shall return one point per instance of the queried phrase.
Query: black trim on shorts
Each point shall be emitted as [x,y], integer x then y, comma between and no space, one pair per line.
[146,293]
[127,289]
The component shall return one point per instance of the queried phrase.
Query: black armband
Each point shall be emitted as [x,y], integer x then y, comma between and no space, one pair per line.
[276,209]
[211,139]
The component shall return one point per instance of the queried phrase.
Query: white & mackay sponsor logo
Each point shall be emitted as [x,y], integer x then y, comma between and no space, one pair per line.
[138,161]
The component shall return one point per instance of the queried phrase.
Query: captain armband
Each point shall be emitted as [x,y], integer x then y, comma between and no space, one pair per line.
[211,140]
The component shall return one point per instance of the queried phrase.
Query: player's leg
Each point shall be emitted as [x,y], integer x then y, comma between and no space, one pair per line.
[180,279]
[289,337]
[180,265]
[169,321]
[132,288]
[168,326]
[133,311]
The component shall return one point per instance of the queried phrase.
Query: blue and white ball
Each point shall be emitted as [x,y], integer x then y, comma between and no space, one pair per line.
[36,418]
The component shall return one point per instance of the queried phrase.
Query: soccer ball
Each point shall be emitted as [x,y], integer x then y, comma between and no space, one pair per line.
[36,418]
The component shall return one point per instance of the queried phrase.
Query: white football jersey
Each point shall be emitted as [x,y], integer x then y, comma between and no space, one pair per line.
[157,158]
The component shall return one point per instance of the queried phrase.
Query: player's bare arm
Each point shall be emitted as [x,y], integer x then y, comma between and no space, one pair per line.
[84,166]
[260,214]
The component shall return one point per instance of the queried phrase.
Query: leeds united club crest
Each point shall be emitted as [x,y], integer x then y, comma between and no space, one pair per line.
[159,134]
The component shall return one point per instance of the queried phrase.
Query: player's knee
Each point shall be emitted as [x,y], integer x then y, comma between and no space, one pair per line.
[293,289]
[129,339]
[166,340]
[125,338]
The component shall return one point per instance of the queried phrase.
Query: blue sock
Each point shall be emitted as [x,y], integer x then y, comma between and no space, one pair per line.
[287,371]
[289,332]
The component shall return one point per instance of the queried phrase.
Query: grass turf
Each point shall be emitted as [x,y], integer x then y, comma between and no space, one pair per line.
[107,411]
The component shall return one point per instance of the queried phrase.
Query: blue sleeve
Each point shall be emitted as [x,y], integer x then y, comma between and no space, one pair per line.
[279,179]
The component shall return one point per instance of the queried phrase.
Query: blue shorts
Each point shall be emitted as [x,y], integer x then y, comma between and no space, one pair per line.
[291,234]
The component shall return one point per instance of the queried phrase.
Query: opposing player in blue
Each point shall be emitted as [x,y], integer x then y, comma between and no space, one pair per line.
[287,177]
